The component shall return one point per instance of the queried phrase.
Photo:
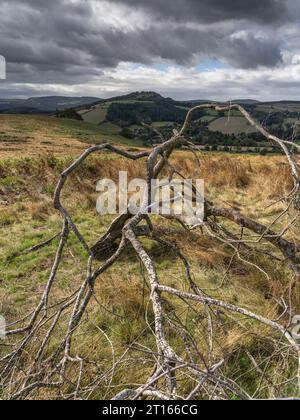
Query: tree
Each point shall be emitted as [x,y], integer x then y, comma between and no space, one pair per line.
[71,114]
[58,366]
[263,152]
[127,133]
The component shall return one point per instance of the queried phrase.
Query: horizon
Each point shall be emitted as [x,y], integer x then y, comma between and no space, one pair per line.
[22,98]
[198,49]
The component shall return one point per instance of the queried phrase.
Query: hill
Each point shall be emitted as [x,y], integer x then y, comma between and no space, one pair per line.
[209,128]
[136,105]
[45,104]
[245,101]
[123,118]
[35,135]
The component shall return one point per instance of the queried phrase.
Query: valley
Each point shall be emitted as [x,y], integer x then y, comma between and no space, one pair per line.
[130,113]
[133,119]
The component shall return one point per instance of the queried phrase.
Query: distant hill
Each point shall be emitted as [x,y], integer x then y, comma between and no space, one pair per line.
[236,101]
[134,108]
[245,101]
[45,104]
[139,96]
[137,107]
[129,115]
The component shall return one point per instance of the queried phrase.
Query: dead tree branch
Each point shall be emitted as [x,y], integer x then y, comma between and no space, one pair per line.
[29,367]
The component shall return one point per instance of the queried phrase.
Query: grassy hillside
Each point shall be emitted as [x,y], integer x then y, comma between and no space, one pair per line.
[284,106]
[129,106]
[35,135]
[96,115]
[43,104]
[232,125]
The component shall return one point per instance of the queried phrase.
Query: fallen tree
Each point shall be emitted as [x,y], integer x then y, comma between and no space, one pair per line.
[24,374]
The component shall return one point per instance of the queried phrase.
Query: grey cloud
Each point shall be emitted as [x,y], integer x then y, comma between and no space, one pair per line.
[57,41]
[251,52]
[208,11]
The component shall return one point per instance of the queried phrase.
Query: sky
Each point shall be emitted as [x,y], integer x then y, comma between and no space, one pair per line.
[185,49]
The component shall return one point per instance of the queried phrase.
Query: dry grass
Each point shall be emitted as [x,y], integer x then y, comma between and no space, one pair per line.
[22,136]
[227,172]
[35,135]
[247,183]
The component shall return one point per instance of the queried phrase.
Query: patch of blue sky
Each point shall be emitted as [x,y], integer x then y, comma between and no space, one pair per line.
[210,65]
[161,66]
[207,65]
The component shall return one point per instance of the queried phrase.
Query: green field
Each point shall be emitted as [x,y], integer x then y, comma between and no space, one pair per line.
[279,106]
[159,124]
[207,118]
[96,115]
[232,125]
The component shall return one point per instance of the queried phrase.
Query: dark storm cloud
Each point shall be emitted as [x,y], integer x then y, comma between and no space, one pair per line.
[208,11]
[250,52]
[59,42]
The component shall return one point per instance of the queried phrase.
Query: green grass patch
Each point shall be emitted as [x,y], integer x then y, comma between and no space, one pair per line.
[232,125]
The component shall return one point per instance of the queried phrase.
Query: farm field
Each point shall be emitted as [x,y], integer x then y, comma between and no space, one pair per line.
[279,106]
[96,115]
[232,125]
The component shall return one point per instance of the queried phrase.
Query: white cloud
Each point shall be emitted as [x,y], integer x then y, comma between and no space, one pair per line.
[186,83]
[91,47]
[219,84]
